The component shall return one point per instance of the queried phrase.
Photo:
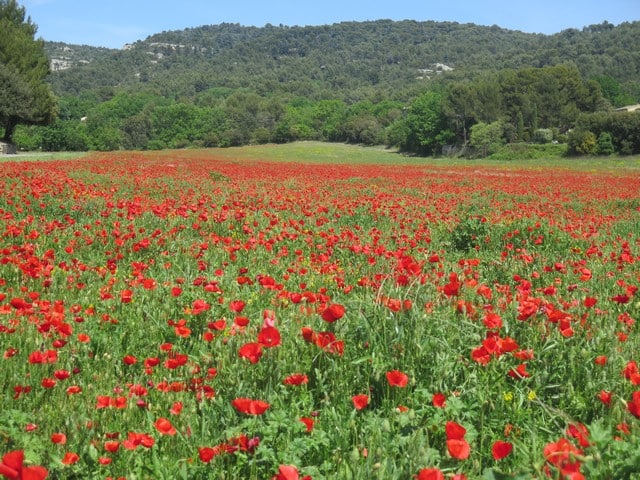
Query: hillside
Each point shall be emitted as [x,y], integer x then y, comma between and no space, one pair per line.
[350,61]
[427,88]
[64,56]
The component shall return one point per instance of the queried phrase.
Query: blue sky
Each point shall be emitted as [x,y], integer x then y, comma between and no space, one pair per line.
[113,23]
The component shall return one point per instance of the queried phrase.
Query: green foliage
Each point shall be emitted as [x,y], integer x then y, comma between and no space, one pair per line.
[65,136]
[487,138]
[378,82]
[605,144]
[25,98]
[469,233]
[623,127]
[582,142]
[530,151]
[423,129]
[345,60]
[543,135]
[525,100]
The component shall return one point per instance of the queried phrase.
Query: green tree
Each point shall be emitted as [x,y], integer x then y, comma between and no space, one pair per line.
[25,97]
[582,142]
[487,138]
[425,125]
[64,136]
[543,135]
[605,144]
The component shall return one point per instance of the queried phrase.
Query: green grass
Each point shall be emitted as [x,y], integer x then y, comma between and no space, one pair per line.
[340,153]
[42,156]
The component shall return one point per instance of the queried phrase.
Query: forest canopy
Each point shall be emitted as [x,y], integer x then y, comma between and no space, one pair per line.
[418,86]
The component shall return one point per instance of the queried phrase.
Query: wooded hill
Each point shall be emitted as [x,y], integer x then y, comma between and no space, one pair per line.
[424,87]
[351,61]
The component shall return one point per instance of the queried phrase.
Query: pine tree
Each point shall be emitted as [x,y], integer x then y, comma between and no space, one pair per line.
[25,97]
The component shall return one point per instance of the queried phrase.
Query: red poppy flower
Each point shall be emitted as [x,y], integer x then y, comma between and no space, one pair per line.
[176,408]
[236,306]
[430,474]
[251,351]
[70,458]
[217,325]
[562,455]
[580,433]
[327,341]
[605,397]
[12,467]
[360,401]
[397,379]
[207,454]
[500,449]
[308,334]
[296,379]
[439,400]
[241,321]
[126,296]
[129,360]
[59,438]
[289,472]
[492,321]
[199,306]
[269,337]
[634,404]
[134,440]
[20,304]
[249,406]
[458,449]
[308,423]
[112,446]
[631,372]
[481,355]
[61,374]
[333,312]
[176,360]
[621,299]
[48,382]
[452,288]
[455,431]
[164,426]
[519,372]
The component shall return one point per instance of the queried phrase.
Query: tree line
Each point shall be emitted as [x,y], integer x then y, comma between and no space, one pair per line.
[471,116]
[228,85]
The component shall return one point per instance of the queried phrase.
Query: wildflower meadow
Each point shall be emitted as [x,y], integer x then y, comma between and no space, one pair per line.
[178,315]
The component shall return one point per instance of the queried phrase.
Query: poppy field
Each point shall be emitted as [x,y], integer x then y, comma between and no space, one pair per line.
[185,316]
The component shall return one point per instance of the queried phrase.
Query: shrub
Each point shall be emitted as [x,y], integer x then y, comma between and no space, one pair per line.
[605,144]
[543,135]
[582,142]
[468,234]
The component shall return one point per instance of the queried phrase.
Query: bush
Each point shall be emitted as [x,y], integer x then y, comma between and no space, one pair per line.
[543,135]
[582,142]
[487,139]
[605,144]
[28,138]
[530,151]
[469,234]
